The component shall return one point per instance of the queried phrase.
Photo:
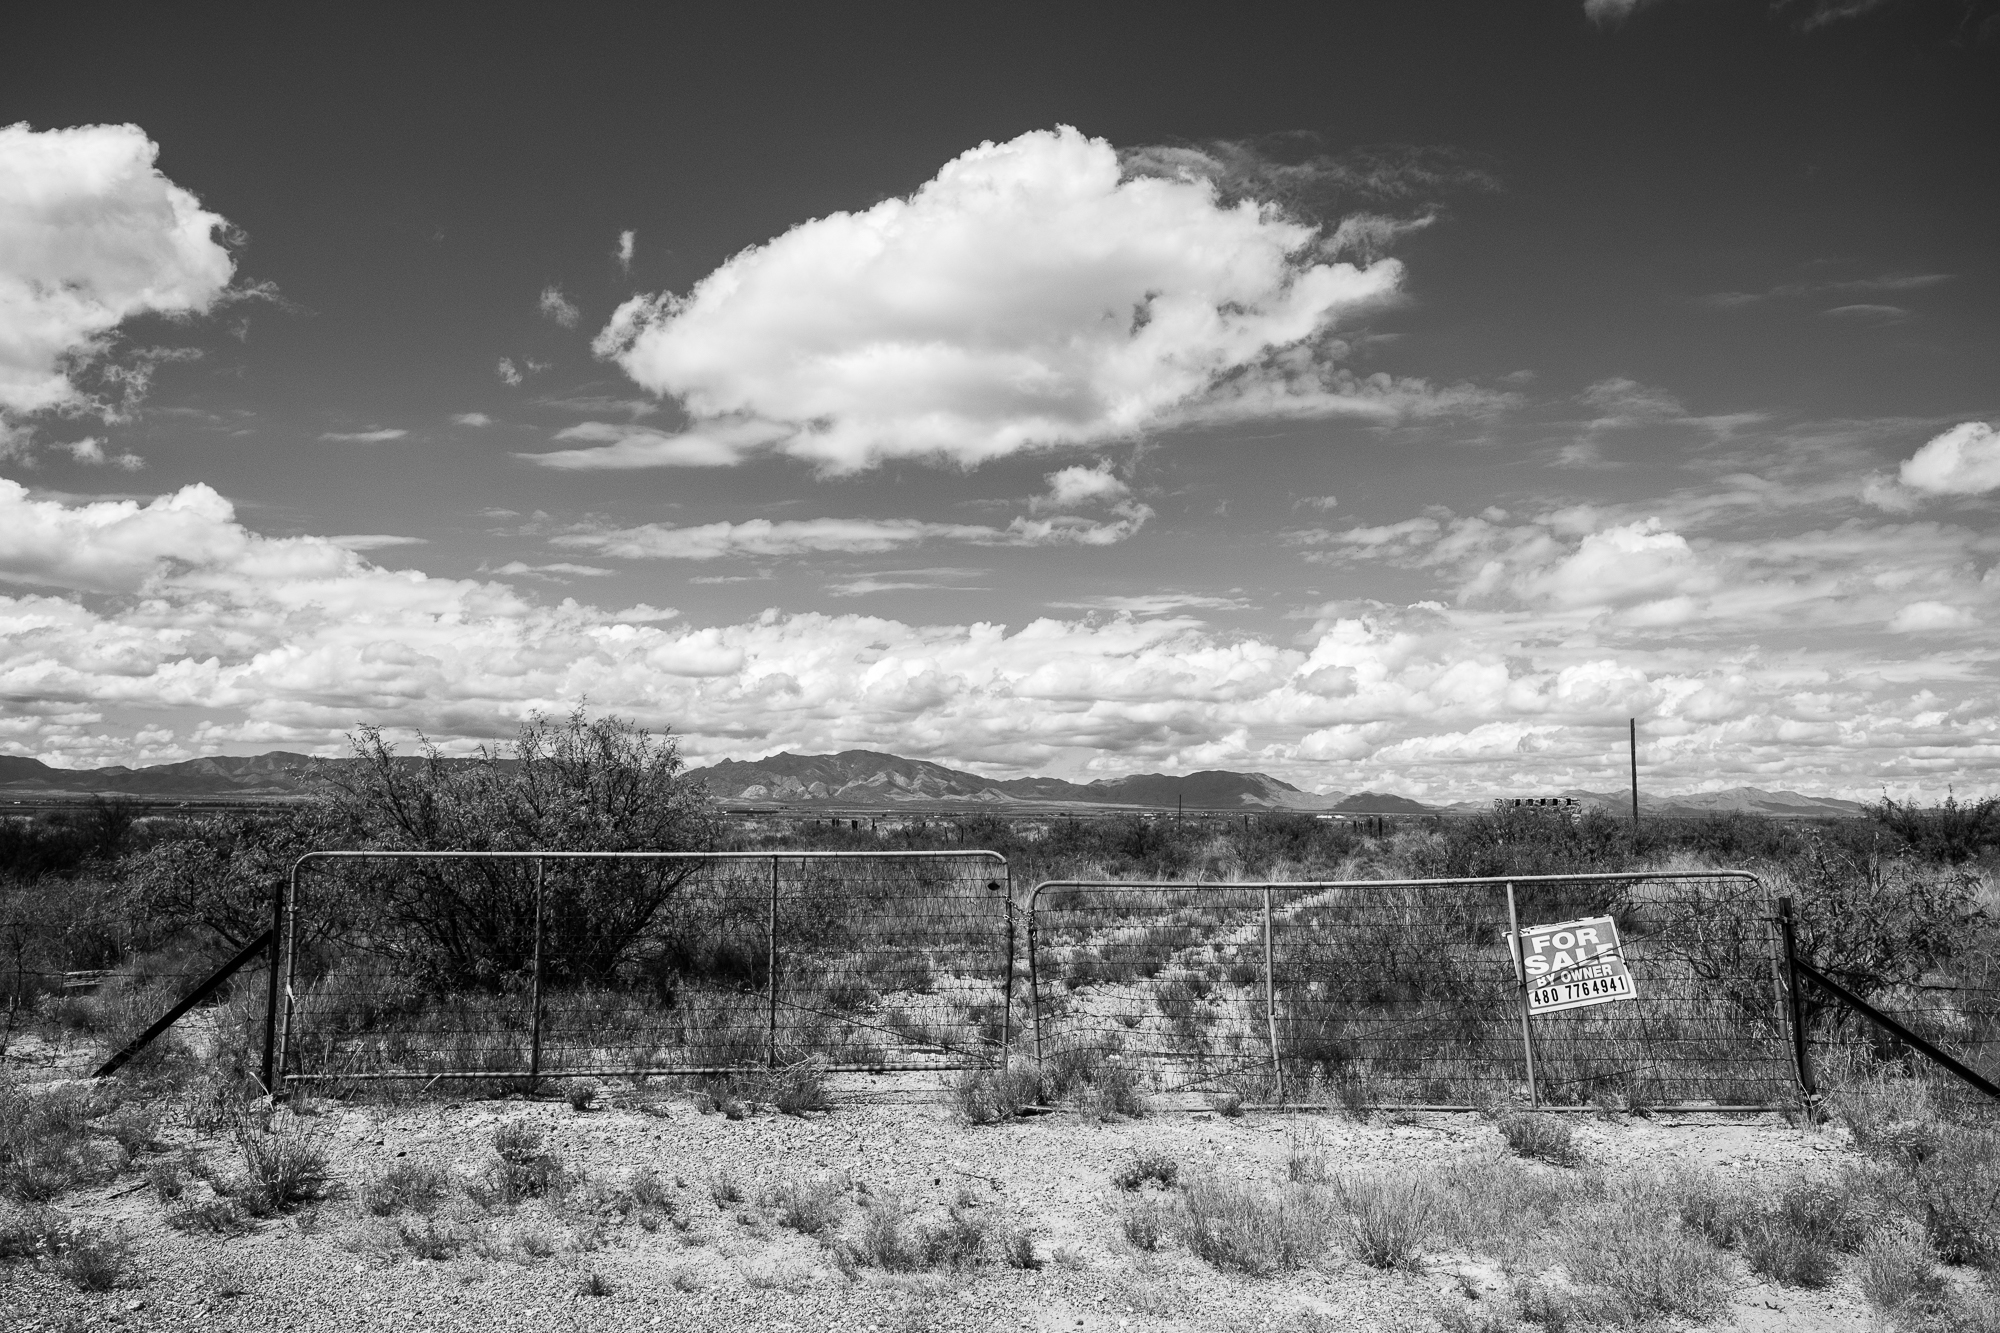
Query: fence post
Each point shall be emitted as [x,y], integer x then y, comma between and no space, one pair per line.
[535,991]
[1271,999]
[1801,1056]
[1007,985]
[771,968]
[271,996]
[1521,981]
[288,960]
[1034,978]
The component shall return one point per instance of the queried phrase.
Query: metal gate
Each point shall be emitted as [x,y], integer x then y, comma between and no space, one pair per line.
[1407,993]
[501,965]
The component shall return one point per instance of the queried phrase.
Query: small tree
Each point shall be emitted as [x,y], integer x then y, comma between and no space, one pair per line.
[572,785]
[220,875]
[1873,925]
[1951,831]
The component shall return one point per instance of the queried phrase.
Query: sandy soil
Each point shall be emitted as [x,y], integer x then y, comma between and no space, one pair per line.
[733,1267]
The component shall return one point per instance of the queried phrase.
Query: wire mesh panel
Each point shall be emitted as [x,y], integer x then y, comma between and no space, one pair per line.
[1406,992]
[75,988]
[1958,1012]
[511,966]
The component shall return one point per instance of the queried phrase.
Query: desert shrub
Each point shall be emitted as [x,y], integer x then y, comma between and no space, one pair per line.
[431,1238]
[1306,1159]
[581,1093]
[1092,1079]
[1896,1271]
[167,1179]
[799,1087]
[521,1169]
[283,1164]
[1146,1224]
[1494,1205]
[1389,1218]
[885,1236]
[1703,1206]
[1541,1135]
[1788,1257]
[409,1186]
[46,1145]
[1951,830]
[1650,1268]
[1148,1168]
[91,1259]
[647,1190]
[215,1217]
[725,1189]
[1564,1310]
[1254,1231]
[961,1241]
[989,1096]
[1228,1103]
[811,1207]
[593,1283]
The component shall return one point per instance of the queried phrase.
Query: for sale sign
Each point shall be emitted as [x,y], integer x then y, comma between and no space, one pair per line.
[1572,964]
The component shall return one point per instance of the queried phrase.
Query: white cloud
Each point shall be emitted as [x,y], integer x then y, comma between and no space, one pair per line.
[375,541]
[1077,487]
[763,537]
[622,252]
[558,307]
[559,568]
[90,449]
[1029,296]
[717,443]
[471,419]
[365,436]
[1612,11]
[510,374]
[91,234]
[1964,460]
[1524,676]
[1931,617]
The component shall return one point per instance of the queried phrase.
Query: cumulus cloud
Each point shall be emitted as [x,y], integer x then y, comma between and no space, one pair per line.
[558,307]
[90,449]
[91,234]
[1964,460]
[622,252]
[1075,487]
[510,374]
[1034,294]
[289,642]
[382,436]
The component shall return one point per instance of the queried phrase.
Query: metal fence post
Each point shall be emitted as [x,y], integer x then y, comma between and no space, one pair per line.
[1521,982]
[1034,977]
[1271,999]
[535,992]
[1801,1055]
[271,996]
[1007,987]
[771,968]
[287,947]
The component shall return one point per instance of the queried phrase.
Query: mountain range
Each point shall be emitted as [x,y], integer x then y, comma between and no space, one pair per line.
[870,779]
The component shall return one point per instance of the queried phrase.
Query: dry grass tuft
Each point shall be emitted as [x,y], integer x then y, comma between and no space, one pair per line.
[1389,1218]
[1541,1135]
[1252,1230]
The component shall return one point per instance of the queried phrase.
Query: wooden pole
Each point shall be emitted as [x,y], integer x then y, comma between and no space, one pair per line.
[1633,724]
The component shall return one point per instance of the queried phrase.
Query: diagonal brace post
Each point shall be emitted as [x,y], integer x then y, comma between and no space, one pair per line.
[188,1001]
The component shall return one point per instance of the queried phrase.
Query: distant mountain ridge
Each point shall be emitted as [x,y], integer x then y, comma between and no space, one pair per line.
[870,778]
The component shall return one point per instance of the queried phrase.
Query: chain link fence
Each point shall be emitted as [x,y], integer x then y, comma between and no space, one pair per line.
[1406,992]
[505,966]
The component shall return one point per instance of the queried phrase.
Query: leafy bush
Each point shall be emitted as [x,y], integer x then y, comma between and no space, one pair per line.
[1541,1135]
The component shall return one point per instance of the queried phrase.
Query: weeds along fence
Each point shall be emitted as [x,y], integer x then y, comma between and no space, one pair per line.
[76,987]
[523,966]
[1405,992]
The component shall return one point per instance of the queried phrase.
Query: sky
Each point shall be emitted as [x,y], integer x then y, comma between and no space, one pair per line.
[1391,395]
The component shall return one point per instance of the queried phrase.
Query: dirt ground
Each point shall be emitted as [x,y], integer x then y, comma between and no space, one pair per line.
[733,1266]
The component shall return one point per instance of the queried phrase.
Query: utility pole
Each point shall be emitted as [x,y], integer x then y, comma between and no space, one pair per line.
[1633,723]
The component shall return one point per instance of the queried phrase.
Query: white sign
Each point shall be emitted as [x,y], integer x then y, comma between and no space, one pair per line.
[1572,964]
